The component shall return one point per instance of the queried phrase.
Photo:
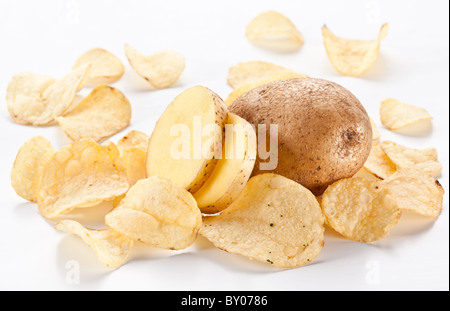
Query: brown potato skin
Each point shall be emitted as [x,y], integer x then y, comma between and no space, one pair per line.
[324,132]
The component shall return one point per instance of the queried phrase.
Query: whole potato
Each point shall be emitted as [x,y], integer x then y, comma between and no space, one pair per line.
[324,133]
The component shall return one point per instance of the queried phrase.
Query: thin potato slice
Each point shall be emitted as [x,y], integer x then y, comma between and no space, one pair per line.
[82,174]
[274,220]
[253,72]
[248,86]
[425,160]
[375,133]
[133,153]
[379,164]
[396,115]
[161,69]
[274,31]
[233,170]
[28,167]
[187,140]
[105,68]
[352,57]
[157,212]
[417,192]
[360,209]
[24,97]
[111,248]
[103,113]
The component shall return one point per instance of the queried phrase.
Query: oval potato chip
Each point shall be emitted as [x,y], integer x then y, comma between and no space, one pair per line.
[360,209]
[161,69]
[157,212]
[81,174]
[111,248]
[105,68]
[101,114]
[416,191]
[274,220]
[133,153]
[352,57]
[379,164]
[396,115]
[274,31]
[28,167]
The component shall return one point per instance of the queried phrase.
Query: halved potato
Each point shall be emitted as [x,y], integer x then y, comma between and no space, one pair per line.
[188,160]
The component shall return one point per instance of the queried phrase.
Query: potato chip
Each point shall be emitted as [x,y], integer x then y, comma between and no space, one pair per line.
[417,192]
[111,248]
[253,72]
[161,69]
[425,160]
[157,212]
[248,86]
[133,153]
[34,99]
[105,68]
[396,115]
[352,57]
[272,30]
[103,113]
[365,173]
[81,174]
[28,166]
[274,220]
[379,164]
[375,132]
[360,209]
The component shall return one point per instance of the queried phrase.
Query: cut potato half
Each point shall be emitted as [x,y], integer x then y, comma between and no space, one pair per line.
[233,170]
[187,139]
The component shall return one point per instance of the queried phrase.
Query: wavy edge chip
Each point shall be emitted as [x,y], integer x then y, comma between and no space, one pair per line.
[352,57]
[396,115]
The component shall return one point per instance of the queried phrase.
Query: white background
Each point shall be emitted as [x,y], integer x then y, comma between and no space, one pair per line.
[47,36]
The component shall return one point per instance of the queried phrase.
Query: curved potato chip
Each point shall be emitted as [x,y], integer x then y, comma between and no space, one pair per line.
[111,248]
[133,153]
[34,99]
[352,57]
[82,174]
[248,86]
[379,164]
[375,132]
[253,72]
[417,192]
[425,160]
[28,167]
[360,209]
[274,220]
[103,113]
[274,31]
[105,68]
[396,115]
[161,69]
[157,212]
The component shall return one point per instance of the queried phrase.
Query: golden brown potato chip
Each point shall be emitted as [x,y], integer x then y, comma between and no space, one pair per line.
[375,132]
[133,152]
[360,209]
[379,164]
[416,191]
[248,86]
[352,57]
[37,100]
[274,31]
[274,220]
[396,115]
[105,68]
[161,69]
[425,160]
[253,72]
[81,174]
[111,248]
[28,166]
[103,113]
[157,212]
[365,173]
